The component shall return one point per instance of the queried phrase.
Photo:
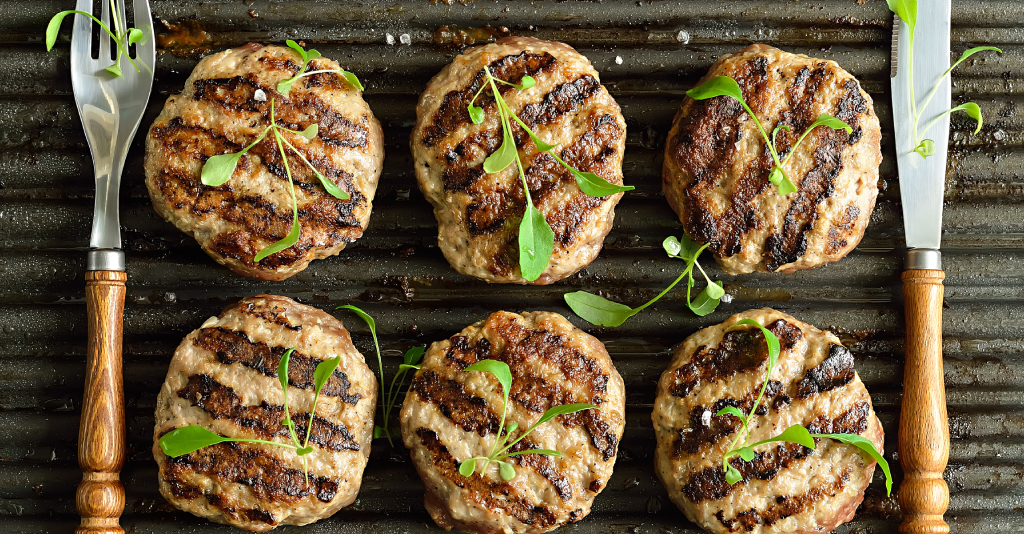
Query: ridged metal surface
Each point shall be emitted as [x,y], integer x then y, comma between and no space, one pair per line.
[397,273]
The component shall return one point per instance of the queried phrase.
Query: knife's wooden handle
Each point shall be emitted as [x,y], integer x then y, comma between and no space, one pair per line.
[924,430]
[101,446]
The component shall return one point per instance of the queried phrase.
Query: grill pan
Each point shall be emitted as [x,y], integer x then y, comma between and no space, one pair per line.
[648,54]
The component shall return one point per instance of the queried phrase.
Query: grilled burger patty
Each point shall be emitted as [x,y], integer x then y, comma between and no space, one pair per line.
[451,415]
[221,112]
[717,164]
[786,488]
[224,377]
[478,214]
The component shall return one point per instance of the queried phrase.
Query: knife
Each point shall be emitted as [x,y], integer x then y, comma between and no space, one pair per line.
[924,430]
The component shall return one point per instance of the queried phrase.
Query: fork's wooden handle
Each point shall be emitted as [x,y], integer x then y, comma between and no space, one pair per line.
[924,430]
[101,447]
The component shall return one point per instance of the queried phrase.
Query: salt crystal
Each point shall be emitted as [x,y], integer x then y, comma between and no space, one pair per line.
[705,418]
[405,38]
[683,37]
[389,38]
[259,96]
[618,60]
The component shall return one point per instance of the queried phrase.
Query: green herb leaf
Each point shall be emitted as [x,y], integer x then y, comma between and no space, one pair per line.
[972,110]
[506,471]
[500,159]
[467,468]
[135,35]
[971,51]
[288,241]
[780,126]
[705,303]
[310,131]
[323,372]
[672,246]
[828,120]
[352,80]
[282,371]
[774,348]
[545,452]
[218,169]
[378,431]
[298,49]
[779,178]
[907,11]
[564,409]
[746,453]
[526,82]
[717,86]
[512,427]
[476,114]
[536,243]
[733,411]
[312,54]
[925,148]
[500,371]
[331,187]
[407,367]
[53,28]
[285,86]
[185,440]
[865,445]
[794,434]
[598,310]
[302,451]
[115,70]
[732,475]
[596,186]
[414,355]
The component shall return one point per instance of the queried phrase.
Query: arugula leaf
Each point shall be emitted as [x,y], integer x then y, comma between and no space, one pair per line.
[907,11]
[865,445]
[310,132]
[732,475]
[972,110]
[500,159]
[828,120]
[774,347]
[536,243]
[120,40]
[506,471]
[352,79]
[794,434]
[383,431]
[218,169]
[746,453]
[779,178]
[526,82]
[186,440]
[546,452]
[705,303]
[414,355]
[287,242]
[715,87]
[115,70]
[500,371]
[298,50]
[564,409]
[672,246]
[323,373]
[285,86]
[598,310]
[476,114]
[468,467]
[135,35]
[925,148]
[733,411]
[595,186]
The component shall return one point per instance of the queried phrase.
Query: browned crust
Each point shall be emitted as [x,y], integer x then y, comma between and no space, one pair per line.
[217,115]
[719,191]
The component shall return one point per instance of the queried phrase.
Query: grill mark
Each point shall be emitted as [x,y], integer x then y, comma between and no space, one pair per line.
[452,113]
[790,243]
[563,99]
[738,352]
[467,411]
[232,346]
[459,175]
[709,483]
[705,147]
[784,506]
[269,313]
[700,434]
[228,506]
[833,372]
[221,402]
[543,466]
[492,495]
[268,478]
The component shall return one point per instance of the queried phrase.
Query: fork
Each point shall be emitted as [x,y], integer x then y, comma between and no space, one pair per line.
[111,109]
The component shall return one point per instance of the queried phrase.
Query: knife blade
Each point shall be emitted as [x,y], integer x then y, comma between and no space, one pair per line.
[920,60]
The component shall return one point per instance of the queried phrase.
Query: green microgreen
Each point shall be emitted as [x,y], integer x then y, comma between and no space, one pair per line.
[499,449]
[378,430]
[600,311]
[285,86]
[906,10]
[794,434]
[726,86]
[121,35]
[536,238]
[188,439]
[218,170]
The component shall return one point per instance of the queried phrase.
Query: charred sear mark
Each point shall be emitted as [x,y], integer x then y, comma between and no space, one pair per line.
[264,420]
[706,429]
[269,479]
[465,160]
[465,410]
[833,372]
[232,346]
[269,313]
[543,466]
[710,484]
[818,185]
[784,506]
[280,63]
[705,148]
[564,99]
[464,354]
[452,113]
[235,94]
[738,352]
[492,495]
[229,507]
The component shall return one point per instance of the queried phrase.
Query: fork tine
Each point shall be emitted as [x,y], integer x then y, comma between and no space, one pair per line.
[144,21]
[104,38]
[81,34]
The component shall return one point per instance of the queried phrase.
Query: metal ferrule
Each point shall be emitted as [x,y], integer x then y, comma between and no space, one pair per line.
[105,259]
[923,258]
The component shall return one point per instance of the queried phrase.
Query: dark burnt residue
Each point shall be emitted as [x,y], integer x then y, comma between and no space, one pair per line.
[835,371]
[461,36]
[465,410]
[185,39]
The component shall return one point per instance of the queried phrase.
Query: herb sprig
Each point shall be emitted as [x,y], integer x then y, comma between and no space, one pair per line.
[285,86]
[906,10]
[188,439]
[536,238]
[122,35]
[794,434]
[499,450]
[726,86]
[600,311]
[411,362]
